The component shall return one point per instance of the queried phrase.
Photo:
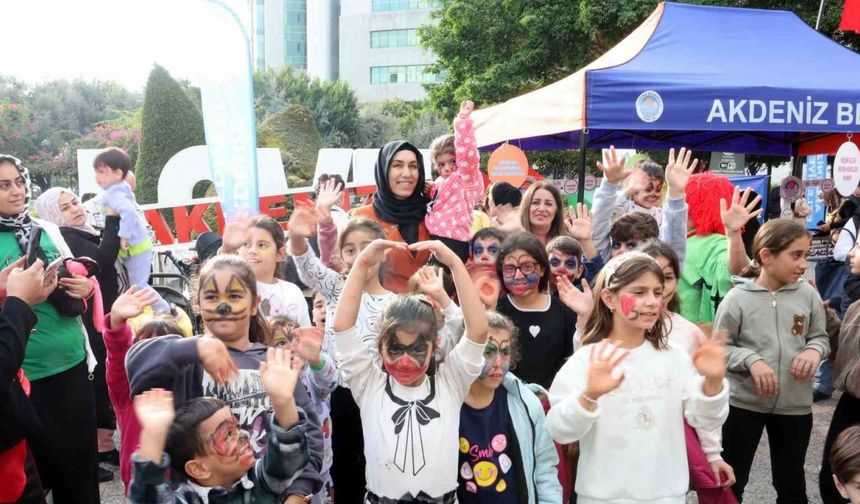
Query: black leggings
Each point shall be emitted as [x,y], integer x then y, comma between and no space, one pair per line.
[105,417]
[347,443]
[65,448]
[846,414]
[788,437]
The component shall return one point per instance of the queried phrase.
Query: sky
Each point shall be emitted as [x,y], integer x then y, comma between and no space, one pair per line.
[116,40]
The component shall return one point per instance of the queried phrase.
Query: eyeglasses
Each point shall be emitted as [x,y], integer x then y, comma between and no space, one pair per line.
[570,263]
[526,268]
[476,249]
[227,438]
[629,245]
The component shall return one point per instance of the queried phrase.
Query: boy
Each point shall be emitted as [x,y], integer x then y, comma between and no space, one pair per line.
[845,463]
[485,245]
[201,442]
[112,166]
[644,188]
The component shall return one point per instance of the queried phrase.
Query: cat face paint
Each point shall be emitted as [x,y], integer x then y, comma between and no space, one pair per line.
[224,297]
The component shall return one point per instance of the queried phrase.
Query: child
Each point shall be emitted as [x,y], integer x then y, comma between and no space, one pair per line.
[437,286]
[459,186]
[672,229]
[624,396]
[776,338]
[547,325]
[118,339]
[845,461]
[112,166]
[202,441]
[504,442]
[564,255]
[644,189]
[264,248]
[409,409]
[485,245]
[228,368]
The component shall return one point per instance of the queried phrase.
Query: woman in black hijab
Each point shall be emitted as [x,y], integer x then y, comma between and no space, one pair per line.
[399,206]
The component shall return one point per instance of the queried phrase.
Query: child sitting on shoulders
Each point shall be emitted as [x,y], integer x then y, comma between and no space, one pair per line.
[643,191]
[202,442]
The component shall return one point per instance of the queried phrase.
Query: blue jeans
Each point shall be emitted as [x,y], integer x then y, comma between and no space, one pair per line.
[823,381]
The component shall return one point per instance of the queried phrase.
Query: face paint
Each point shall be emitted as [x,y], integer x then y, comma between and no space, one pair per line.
[496,353]
[232,304]
[229,441]
[404,370]
[518,286]
[417,350]
[627,303]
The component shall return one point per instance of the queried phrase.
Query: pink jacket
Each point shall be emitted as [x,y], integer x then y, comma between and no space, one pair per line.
[117,343]
[450,215]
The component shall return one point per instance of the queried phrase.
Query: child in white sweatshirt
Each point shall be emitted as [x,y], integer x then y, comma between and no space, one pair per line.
[625,394]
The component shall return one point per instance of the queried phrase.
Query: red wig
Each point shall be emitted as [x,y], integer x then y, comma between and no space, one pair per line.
[704,192]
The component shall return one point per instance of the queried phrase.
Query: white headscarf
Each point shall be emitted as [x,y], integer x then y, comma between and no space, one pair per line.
[48,208]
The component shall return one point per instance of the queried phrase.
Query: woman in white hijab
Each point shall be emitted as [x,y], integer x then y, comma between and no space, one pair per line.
[63,208]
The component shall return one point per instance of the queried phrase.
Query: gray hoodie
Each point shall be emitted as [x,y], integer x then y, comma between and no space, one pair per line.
[774,327]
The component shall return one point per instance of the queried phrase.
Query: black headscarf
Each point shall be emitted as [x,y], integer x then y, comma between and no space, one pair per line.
[406,214]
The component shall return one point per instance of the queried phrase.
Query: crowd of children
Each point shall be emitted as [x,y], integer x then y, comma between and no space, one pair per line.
[444,343]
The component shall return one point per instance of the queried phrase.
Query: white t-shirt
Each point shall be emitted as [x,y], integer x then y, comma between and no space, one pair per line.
[283,298]
[419,452]
[632,447]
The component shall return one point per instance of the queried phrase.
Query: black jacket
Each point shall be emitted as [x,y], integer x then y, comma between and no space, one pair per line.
[104,250]
[18,419]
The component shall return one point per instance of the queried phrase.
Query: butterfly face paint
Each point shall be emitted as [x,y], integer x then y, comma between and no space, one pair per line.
[497,359]
[224,297]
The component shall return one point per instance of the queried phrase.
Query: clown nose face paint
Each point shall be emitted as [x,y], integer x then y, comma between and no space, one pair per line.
[519,286]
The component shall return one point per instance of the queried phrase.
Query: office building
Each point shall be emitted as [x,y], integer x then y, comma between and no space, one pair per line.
[279,34]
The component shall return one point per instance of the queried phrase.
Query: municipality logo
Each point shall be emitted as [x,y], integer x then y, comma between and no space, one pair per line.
[649,106]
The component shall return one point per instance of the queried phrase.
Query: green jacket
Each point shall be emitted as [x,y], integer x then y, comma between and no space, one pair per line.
[705,280]
[774,327]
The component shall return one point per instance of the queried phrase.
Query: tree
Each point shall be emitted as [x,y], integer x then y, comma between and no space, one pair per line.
[492,50]
[333,105]
[170,122]
[292,130]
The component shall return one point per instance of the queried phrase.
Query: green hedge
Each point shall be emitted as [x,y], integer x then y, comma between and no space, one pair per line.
[293,131]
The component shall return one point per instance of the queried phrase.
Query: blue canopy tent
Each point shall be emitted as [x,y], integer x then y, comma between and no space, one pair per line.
[707,78]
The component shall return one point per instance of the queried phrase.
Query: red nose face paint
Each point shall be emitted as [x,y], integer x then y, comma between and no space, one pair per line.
[627,302]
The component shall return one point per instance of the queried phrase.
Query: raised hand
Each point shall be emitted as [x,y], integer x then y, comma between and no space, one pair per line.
[29,285]
[466,107]
[801,209]
[154,410]
[805,364]
[678,171]
[131,304]
[330,193]
[279,374]
[578,222]
[216,360]
[766,381]
[740,212]
[581,302]
[439,250]
[303,222]
[307,344]
[602,361]
[235,233]
[430,282]
[613,170]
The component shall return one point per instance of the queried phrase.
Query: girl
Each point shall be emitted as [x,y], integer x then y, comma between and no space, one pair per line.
[399,207]
[409,410]
[347,439]
[777,337]
[118,339]
[58,357]
[227,368]
[547,325]
[506,453]
[630,417]
[264,247]
[541,212]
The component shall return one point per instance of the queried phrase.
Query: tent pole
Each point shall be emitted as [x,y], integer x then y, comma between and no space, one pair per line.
[583,144]
[818,19]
